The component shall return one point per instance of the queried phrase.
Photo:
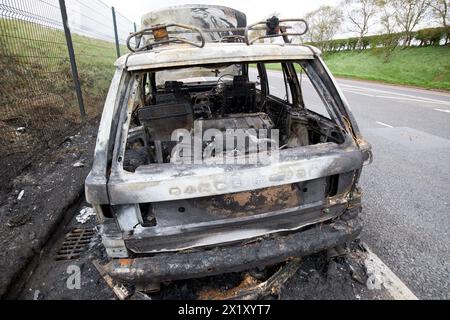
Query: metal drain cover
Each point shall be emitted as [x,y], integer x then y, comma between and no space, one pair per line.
[76,242]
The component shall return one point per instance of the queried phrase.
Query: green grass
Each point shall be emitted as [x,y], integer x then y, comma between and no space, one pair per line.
[37,88]
[426,67]
[31,52]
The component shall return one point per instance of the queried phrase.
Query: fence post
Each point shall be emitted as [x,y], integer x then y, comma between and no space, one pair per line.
[116,35]
[73,63]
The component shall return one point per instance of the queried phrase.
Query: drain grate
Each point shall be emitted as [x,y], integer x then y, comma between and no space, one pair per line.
[76,242]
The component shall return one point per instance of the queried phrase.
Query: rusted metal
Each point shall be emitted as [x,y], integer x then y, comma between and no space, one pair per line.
[252,289]
[252,202]
[121,292]
[195,264]
[149,288]
[161,36]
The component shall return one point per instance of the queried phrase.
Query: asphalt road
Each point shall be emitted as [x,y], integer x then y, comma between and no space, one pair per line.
[407,188]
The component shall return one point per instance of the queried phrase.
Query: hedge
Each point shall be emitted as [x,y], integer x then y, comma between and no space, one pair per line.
[423,37]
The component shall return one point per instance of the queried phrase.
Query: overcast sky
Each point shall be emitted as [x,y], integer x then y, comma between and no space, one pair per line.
[254,9]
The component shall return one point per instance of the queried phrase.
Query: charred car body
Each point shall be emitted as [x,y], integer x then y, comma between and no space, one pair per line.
[167,215]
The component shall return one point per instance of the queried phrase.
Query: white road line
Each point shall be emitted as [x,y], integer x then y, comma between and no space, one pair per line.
[414,99]
[395,93]
[379,275]
[396,98]
[360,93]
[443,110]
[370,92]
[384,124]
[415,90]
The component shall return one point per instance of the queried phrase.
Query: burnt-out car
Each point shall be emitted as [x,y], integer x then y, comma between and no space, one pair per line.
[209,161]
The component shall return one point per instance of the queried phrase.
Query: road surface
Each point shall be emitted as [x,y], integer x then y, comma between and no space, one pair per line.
[407,188]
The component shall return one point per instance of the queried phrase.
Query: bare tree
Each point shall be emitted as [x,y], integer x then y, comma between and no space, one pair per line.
[324,23]
[408,13]
[388,22]
[360,13]
[440,9]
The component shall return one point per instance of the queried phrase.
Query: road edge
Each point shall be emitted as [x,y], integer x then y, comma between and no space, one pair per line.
[380,275]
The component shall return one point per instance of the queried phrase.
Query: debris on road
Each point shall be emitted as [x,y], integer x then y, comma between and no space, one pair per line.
[21,195]
[139,296]
[85,215]
[37,295]
[18,220]
[119,290]
[79,164]
[20,130]
[251,289]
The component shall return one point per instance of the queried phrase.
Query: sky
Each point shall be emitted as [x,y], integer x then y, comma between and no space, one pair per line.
[255,10]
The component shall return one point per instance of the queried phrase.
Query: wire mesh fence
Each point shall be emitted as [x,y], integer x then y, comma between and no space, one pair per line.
[38,102]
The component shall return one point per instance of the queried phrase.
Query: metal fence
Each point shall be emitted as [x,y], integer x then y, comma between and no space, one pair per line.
[39,106]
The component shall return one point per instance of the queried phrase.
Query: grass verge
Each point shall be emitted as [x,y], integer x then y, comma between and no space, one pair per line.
[426,67]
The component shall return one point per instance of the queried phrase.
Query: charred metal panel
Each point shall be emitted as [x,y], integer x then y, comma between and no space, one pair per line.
[224,53]
[95,186]
[205,17]
[162,267]
[180,232]
[153,184]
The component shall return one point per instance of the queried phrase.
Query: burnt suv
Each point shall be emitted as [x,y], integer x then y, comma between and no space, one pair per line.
[174,200]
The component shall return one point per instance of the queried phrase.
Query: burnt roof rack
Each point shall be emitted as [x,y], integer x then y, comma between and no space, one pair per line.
[161,36]
[273,28]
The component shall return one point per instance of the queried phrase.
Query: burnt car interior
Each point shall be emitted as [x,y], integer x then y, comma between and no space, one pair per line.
[226,97]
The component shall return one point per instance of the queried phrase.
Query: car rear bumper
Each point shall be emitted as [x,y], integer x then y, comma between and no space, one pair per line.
[237,257]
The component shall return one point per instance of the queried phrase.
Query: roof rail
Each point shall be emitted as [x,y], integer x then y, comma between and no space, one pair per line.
[274,29]
[161,36]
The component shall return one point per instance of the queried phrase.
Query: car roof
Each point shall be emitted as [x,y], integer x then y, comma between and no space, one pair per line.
[180,55]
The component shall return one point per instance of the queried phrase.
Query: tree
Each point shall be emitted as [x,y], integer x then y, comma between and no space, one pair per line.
[440,9]
[323,24]
[390,36]
[359,14]
[408,13]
